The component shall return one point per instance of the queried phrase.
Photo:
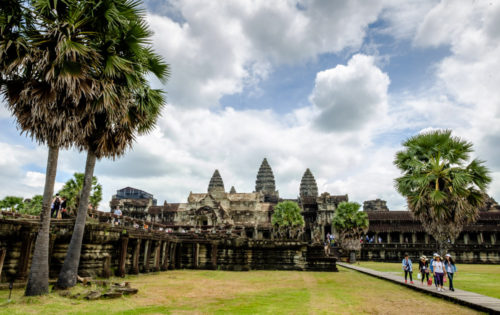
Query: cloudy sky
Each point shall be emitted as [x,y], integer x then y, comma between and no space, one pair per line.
[334,86]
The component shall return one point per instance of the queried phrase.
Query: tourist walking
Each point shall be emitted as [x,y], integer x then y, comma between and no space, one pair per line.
[407,268]
[438,268]
[56,205]
[451,269]
[423,266]
[431,267]
[327,245]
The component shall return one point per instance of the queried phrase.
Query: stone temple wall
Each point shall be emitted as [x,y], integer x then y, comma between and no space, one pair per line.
[118,250]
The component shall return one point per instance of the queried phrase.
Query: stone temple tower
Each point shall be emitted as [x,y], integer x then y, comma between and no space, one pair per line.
[216,184]
[308,186]
[265,183]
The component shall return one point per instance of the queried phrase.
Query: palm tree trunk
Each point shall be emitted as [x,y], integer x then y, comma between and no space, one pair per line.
[69,271]
[38,281]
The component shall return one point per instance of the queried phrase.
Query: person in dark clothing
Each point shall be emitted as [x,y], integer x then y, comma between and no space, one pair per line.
[423,266]
[56,205]
[64,211]
[451,269]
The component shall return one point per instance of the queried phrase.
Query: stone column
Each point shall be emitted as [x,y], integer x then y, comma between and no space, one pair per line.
[135,257]
[106,267]
[389,237]
[401,238]
[28,240]
[166,252]
[173,250]
[213,256]
[147,254]
[157,257]
[196,250]
[52,242]
[493,238]
[480,238]
[123,257]
[414,237]
[3,253]
[466,238]
[426,238]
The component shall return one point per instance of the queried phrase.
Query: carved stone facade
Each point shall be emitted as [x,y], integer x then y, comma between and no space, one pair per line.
[375,205]
[249,213]
[249,216]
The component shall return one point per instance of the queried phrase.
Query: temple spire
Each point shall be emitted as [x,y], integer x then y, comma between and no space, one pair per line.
[308,186]
[265,183]
[265,178]
[216,184]
[232,191]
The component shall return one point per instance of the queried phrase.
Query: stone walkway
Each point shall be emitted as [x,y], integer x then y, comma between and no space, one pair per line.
[473,300]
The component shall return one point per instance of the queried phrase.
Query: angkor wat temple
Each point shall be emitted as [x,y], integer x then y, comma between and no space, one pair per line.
[228,231]
[393,232]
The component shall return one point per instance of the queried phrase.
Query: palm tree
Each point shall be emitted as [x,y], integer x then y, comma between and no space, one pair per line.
[125,71]
[45,68]
[442,189]
[72,190]
[350,225]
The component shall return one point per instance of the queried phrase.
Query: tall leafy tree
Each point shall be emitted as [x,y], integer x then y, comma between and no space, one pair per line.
[124,68]
[288,220]
[46,73]
[72,190]
[32,206]
[350,225]
[443,189]
[11,203]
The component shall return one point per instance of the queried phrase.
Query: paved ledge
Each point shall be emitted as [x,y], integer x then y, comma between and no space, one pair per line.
[473,300]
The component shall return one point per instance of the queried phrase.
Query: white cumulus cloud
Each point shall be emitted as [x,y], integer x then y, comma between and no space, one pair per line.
[351,97]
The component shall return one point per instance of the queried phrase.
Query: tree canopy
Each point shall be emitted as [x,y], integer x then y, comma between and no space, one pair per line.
[443,189]
[31,206]
[350,225]
[72,190]
[288,219]
[11,203]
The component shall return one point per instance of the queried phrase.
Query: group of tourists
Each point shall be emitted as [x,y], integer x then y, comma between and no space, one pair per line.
[440,269]
[58,208]
[329,243]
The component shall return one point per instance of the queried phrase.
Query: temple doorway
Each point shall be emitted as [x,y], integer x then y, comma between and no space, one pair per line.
[328,230]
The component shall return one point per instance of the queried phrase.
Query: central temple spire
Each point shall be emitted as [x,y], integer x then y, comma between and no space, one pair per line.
[216,184]
[265,181]
[308,186]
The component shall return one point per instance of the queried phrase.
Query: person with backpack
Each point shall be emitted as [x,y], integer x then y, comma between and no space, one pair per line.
[423,267]
[407,268]
[451,269]
[56,205]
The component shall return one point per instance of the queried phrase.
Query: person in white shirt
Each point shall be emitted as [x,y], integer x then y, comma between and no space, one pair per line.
[117,213]
[438,270]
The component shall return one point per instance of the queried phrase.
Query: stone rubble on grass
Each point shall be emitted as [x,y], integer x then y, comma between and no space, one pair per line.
[108,290]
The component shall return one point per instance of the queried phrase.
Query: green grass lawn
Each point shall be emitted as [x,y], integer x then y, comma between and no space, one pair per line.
[483,279]
[262,292]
